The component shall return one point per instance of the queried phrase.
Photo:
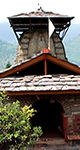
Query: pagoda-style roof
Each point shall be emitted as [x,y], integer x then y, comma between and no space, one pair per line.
[40,13]
[26,21]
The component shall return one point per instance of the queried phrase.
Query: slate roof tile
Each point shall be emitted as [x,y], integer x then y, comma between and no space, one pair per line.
[39,13]
[41,83]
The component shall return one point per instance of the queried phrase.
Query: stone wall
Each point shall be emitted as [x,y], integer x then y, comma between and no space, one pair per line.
[32,43]
[70,103]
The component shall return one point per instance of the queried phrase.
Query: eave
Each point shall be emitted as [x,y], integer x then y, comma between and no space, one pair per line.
[21,93]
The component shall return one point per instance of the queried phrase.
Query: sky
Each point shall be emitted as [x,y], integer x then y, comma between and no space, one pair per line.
[65,7]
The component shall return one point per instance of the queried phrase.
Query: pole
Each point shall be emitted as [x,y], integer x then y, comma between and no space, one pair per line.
[45,65]
[48,36]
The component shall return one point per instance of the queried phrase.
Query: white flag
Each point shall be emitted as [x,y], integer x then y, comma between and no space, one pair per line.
[51,28]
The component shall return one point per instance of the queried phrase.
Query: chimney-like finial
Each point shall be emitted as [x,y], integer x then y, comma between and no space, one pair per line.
[39,8]
[38,5]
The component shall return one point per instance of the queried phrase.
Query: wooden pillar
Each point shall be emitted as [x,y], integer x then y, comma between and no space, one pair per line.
[45,65]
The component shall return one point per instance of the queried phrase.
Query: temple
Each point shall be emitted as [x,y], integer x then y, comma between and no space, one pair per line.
[43,77]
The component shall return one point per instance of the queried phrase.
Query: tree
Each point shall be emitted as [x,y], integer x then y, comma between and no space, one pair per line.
[8,65]
[15,127]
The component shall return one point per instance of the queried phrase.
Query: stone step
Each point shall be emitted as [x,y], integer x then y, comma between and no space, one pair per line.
[52,141]
[51,147]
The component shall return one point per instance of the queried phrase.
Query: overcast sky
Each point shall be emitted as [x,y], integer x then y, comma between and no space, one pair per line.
[66,7]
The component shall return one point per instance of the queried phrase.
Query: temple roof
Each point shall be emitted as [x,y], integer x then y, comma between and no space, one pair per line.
[40,84]
[44,83]
[35,60]
[40,13]
[38,19]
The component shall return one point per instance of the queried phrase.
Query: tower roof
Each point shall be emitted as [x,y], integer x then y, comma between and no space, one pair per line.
[39,19]
[40,13]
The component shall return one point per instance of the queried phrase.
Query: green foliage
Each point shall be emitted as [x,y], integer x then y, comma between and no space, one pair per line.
[15,127]
[8,65]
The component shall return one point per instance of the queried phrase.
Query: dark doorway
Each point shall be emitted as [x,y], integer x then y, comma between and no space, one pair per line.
[49,116]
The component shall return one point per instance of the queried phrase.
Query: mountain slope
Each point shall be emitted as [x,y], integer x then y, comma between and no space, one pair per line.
[7,53]
[74,31]
[6,33]
[72,48]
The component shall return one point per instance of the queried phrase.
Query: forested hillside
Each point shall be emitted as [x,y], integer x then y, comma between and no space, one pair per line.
[7,53]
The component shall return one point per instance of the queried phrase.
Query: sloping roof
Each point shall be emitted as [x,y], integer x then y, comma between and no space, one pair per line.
[43,83]
[40,13]
[37,58]
[38,19]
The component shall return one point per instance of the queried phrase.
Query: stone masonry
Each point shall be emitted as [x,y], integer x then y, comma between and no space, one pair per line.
[70,104]
[32,43]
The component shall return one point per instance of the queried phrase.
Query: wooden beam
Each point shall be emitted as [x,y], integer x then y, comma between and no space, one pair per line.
[16,93]
[32,24]
[45,65]
[21,29]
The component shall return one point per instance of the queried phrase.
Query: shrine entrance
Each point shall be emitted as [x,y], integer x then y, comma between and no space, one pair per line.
[50,117]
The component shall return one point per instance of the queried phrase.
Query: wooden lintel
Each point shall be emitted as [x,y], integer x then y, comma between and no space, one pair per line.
[32,24]
[21,29]
[37,24]
[11,93]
